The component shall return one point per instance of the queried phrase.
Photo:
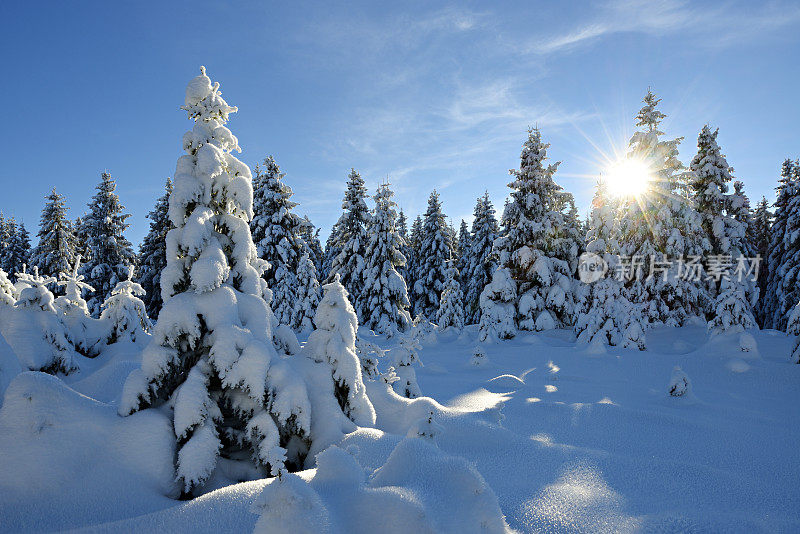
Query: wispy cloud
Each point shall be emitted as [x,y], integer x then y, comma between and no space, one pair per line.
[720,25]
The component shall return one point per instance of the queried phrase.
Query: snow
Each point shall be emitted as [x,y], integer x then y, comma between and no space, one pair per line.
[550,435]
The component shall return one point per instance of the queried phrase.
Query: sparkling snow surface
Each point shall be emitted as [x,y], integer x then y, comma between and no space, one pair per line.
[569,440]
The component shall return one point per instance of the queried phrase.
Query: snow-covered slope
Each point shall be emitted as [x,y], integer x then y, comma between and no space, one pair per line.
[565,439]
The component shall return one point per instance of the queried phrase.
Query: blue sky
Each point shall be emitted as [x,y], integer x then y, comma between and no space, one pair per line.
[428,94]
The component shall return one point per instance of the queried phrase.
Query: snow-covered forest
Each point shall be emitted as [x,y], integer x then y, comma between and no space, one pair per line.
[533,369]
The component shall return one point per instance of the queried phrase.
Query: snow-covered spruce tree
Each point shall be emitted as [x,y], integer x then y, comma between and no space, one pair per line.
[55,252]
[307,296]
[794,329]
[276,233]
[334,342]
[19,249]
[5,239]
[661,226]
[479,263]
[759,237]
[331,252]
[8,294]
[35,306]
[464,240]
[432,256]
[497,307]
[774,303]
[83,332]
[742,213]
[402,376]
[153,253]
[413,258]
[310,235]
[402,231]
[609,318]
[451,307]
[110,253]
[385,297]
[352,239]
[125,313]
[790,279]
[732,298]
[211,359]
[538,250]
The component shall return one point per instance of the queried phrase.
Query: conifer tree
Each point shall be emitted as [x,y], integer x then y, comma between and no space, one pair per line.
[310,236]
[759,236]
[276,233]
[794,329]
[352,239]
[331,251]
[774,303]
[609,317]
[110,253]
[308,295]
[463,246]
[479,263]
[451,308]
[55,252]
[434,251]
[538,249]
[660,226]
[725,225]
[125,313]
[405,249]
[5,241]
[211,359]
[790,266]
[18,250]
[153,253]
[414,241]
[385,297]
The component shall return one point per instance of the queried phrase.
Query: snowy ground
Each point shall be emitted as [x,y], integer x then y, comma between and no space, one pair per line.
[569,440]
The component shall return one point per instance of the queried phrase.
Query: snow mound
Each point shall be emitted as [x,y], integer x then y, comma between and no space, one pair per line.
[77,456]
[418,489]
[679,384]
[507,381]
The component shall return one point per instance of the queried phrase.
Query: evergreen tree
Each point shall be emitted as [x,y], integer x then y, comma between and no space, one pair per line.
[609,317]
[310,236]
[479,264]
[405,249]
[434,251]
[125,312]
[451,308]
[334,342]
[462,248]
[742,213]
[794,329]
[385,297]
[538,249]
[661,226]
[5,241]
[759,236]
[276,233]
[110,253]
[55,252]
[211,359]
[153,253]
[725,224]
[790,266]
[352,239]
[19,247]
[308,295]
[332,250]
[774,303]
[413,258]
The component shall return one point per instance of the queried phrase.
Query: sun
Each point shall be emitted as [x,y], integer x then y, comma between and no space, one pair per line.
[628,177]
